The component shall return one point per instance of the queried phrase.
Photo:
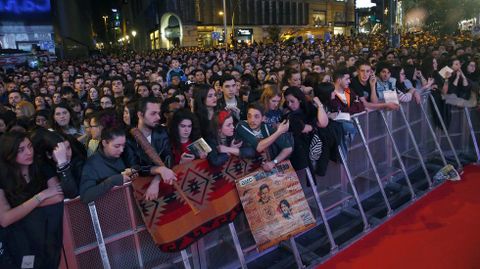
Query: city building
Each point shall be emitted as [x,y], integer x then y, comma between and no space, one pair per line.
[60,27]
[170,23]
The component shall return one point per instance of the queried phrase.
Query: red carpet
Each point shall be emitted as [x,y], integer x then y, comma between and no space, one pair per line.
[441,230]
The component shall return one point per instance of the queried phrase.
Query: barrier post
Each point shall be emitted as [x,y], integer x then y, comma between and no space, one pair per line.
[333,245]
[133,223]
[296,254]
[432,131]
[399,157]
[472,133]
[98,234]
[199,254]
[185,260]
[374,167]
[366,225]
[444,128]
[238,247]
[415,146]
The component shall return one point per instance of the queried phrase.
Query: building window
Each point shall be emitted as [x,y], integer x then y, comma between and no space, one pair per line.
[152,41]
[319,18]
[339,16]
[155,39]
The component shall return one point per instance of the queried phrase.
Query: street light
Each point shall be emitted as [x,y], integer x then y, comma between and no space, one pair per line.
[105,17]
[225,24]
[220,13]
[134,34]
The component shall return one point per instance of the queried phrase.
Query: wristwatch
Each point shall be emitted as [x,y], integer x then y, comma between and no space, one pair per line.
[275,161]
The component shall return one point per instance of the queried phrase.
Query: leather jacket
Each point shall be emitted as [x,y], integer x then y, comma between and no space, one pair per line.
[134,156]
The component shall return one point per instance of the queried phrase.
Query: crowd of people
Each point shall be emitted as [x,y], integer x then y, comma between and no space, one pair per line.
[64,127]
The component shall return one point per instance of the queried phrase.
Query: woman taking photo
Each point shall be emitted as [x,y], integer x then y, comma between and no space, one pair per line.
[304,118]
[105,169]
[438,89]
[31,206]
[404,86]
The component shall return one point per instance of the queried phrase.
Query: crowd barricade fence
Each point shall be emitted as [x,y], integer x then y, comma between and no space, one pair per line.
[390,163]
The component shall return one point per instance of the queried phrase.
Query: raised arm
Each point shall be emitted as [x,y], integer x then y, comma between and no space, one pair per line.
[267,142]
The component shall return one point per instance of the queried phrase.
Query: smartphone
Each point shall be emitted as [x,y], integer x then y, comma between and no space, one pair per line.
[188,155]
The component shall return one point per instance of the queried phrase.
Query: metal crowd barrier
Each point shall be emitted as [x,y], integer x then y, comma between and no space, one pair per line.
[390,164]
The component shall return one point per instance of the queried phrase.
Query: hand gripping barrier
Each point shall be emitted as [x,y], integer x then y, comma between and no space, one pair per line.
[388,165]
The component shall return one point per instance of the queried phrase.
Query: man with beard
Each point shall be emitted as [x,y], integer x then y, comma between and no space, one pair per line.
[134,156]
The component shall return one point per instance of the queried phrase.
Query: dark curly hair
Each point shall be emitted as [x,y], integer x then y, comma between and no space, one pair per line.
[179,116]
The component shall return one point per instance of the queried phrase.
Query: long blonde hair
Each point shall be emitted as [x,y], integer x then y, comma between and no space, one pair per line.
[269,91]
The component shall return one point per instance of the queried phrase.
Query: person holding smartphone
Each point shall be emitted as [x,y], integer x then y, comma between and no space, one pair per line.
[265,140]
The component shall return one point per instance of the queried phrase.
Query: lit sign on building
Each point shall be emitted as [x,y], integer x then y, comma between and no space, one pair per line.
[24,6]
[244,32]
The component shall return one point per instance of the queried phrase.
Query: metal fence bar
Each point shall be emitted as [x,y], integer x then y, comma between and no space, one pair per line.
[131,211]
[238,247]
[296,254]
[366,225]
[98,233]
[374,167]
[444,128]
[432,131]
[323,215]
[199,252]
[185,260]
[472,132]
[399,157]
[415,145]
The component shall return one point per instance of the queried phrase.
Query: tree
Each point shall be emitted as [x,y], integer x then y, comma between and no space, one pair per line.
[274,33]
[443,16]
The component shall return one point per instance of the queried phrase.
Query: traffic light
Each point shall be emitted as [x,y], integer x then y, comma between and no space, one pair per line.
[116,18]
[377,11]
